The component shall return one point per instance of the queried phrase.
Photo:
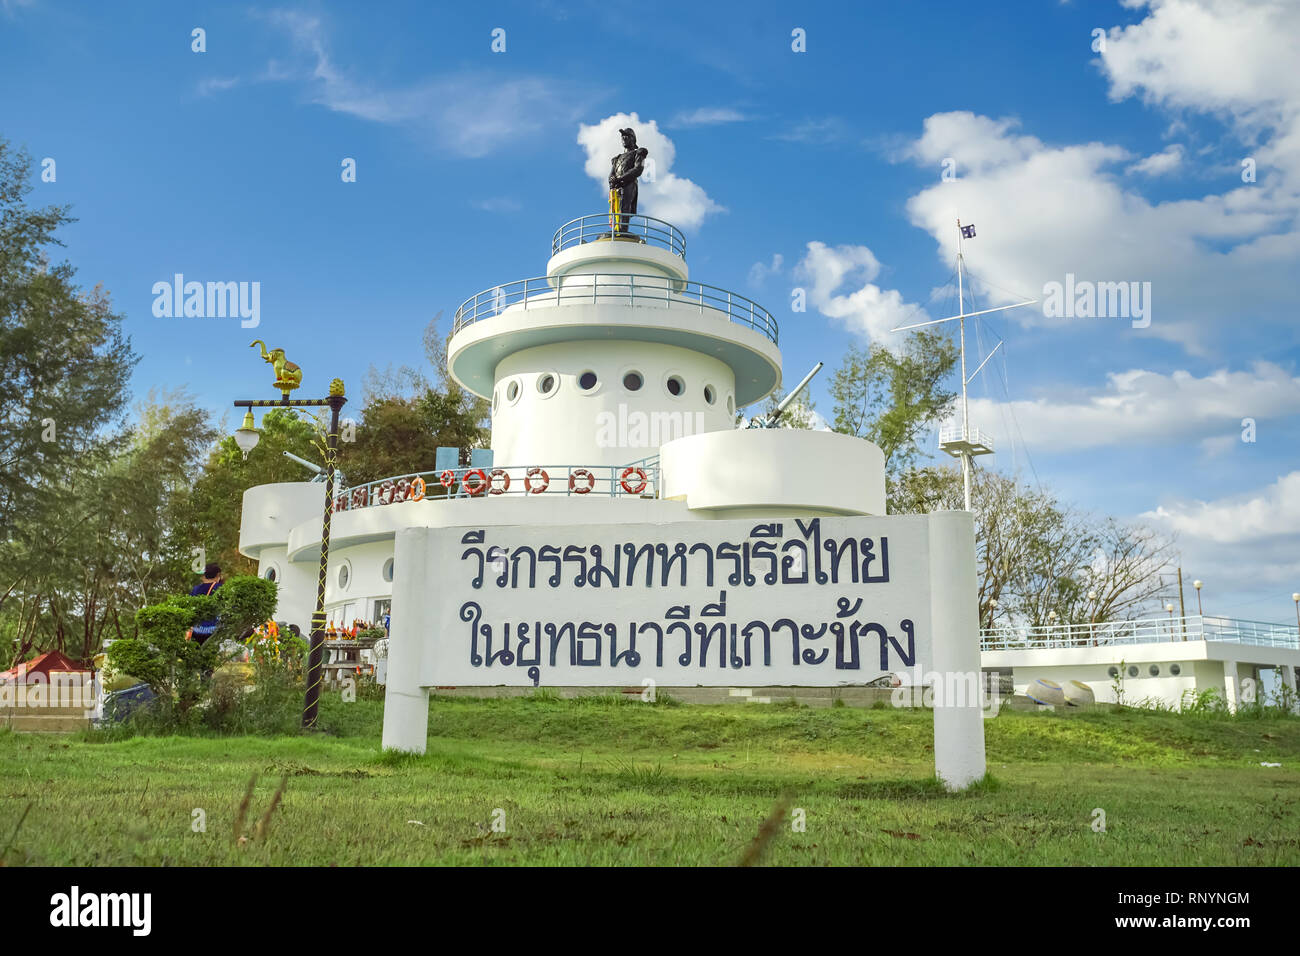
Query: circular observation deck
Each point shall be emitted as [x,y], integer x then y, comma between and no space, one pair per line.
[603,284]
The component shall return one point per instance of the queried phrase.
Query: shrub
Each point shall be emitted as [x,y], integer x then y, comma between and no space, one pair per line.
[180,670]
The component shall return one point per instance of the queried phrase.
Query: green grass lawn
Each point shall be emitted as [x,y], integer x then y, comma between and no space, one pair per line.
[606,781]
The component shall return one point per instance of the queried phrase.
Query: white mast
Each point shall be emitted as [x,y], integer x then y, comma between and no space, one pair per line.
[965,409]
[965,445]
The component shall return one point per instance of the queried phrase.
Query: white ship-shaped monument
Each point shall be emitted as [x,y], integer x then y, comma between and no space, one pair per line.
[622,531]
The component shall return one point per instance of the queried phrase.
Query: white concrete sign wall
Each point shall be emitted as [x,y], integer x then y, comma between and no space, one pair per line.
[793,602]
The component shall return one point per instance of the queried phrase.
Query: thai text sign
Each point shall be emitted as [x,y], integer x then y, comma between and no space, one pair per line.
[794,602]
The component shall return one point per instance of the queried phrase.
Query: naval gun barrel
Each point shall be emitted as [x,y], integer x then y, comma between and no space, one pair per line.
[305,463]
[794,393]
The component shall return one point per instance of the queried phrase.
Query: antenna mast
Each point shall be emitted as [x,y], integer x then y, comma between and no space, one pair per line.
[966,444]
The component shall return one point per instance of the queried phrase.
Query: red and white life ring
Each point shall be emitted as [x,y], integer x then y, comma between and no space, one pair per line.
[480,482]
[492,482]
[585,475]
[416,491]
[641,481]
[541,485]
[448,478]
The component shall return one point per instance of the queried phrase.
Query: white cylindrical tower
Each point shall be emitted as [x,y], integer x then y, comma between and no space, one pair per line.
[613,353]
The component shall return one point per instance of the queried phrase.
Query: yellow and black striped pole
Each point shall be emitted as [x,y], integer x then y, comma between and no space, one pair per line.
[316,653]
[613,213]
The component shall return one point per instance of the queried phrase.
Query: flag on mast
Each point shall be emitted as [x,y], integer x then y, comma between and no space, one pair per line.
[968,232]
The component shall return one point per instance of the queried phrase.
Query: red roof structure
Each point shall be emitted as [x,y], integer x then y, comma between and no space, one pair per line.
[44,664]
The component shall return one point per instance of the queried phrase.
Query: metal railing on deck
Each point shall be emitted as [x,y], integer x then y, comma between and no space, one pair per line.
[1152,630]
[642,229]
[624,288]
[637,479]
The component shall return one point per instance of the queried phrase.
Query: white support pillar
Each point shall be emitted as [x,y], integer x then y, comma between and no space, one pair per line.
[406,700]
[1287,674]
[954,616]
[1230,686]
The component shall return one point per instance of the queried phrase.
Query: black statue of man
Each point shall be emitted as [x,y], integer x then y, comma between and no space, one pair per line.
[625,168]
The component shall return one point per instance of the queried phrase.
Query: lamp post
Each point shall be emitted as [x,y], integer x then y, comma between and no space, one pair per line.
[1296,597]
[246,436]
[1092,616]
[1051,626]
[1197,585]
[993,608]
[1170,608]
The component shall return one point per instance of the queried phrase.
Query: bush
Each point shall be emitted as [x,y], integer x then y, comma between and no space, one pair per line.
[179,671]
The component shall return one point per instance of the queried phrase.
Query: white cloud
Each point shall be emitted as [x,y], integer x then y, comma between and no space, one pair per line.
[1269,512]
[1046,211]
[1244,544]
[759,271]
[667,196]
[1158,164]
[498,204]
[1145,407]
[830,129]
[706,116]
[471,114]
[867,309]
[217,84]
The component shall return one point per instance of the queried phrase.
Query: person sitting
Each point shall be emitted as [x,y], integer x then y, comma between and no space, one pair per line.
[211,581]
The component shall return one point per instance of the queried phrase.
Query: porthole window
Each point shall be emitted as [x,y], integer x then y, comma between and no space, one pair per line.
[710,395]
[512,392]
[1133,671]
[1154,670]
[388,570]
[1175,669]
[587,380]
[269,573]
[496,400]
[547,382]
[676,387]
[632,381]
[1112,671]
[731,405]
[344,577]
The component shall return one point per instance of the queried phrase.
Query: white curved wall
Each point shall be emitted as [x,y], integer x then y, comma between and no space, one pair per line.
[365,564]
[608,425]
[270,512]
[755,472]
[296,596]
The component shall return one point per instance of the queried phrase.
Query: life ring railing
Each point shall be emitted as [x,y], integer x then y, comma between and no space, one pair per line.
[637,479]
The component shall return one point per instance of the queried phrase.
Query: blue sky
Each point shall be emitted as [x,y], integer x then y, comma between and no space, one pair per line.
[821,170]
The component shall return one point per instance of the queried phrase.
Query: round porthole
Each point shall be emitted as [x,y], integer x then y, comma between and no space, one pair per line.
[632,381]
[547,383]
[710,395]
[731,405]
[344,577]
[1133,671]
[496,400]
[1154,670]
[270,574]
[587,380]
[1112,671]
[512,392]
[1175,669]
[388,570]
[676,387]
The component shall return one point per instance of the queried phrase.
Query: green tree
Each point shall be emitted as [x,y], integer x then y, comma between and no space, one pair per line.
[1036,555]
[211,514]
[398,436]
[64,367]
[892,397]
